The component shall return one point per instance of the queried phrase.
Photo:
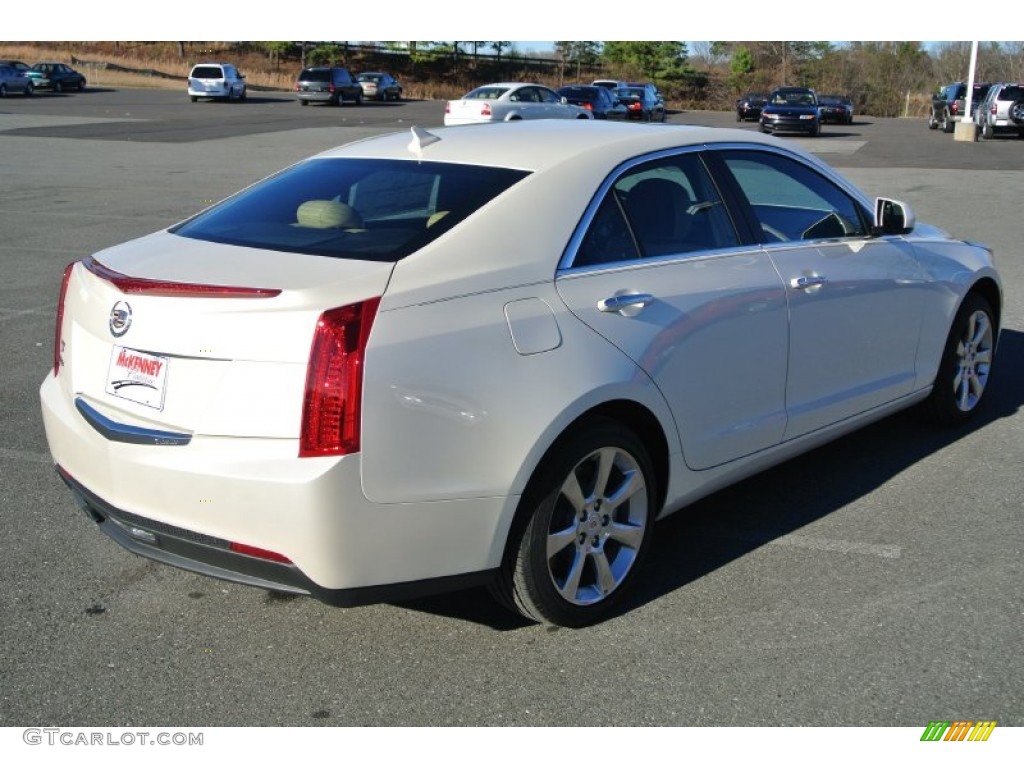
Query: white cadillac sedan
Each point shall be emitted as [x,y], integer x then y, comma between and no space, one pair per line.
[500,102]
[496,355]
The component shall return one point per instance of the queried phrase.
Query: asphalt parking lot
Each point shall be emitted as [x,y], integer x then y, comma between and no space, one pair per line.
[876,581]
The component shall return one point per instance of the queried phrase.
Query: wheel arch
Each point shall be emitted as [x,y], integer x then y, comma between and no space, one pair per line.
[987,288]
[632,415]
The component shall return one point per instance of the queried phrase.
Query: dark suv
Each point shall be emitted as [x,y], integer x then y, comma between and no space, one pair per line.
[331,84]
[948,104]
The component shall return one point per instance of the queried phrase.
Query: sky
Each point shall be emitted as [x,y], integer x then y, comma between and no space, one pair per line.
[522,20]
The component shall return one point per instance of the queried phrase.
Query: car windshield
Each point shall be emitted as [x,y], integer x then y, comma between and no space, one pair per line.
[207,72]
[376,210]
[794,98]
[486,92]
[316,75]
[579,92]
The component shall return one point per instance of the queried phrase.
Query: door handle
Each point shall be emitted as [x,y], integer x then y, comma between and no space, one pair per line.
[627,305]
[807,282]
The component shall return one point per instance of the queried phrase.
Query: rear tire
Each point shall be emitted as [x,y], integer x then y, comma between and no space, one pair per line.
[966,364]
[583,526]
[947,123]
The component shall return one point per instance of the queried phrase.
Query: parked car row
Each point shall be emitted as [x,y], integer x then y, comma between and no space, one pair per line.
[996,108]
[601,100]
[796,109]
[328,84]
[19,77]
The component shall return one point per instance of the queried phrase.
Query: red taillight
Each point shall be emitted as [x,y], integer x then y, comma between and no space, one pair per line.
[447,107]
[331,88]
[994,108]
[58,358]
[331,410]
[262,554]
[587,105]
[298,87]
[149,287]
[485,109]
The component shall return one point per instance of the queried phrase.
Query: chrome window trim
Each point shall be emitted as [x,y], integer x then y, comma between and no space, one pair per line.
[565,264]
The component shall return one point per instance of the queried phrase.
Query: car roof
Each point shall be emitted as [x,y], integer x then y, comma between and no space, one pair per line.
[538,145]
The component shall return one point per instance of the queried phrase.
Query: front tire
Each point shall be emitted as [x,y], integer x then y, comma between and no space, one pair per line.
[966,365]
[586,522]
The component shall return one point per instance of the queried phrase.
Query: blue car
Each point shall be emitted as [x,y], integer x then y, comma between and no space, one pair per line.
[791,110]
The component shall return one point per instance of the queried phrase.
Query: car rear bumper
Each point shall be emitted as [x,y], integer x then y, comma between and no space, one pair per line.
[317,95]
[212,92]
[185,505]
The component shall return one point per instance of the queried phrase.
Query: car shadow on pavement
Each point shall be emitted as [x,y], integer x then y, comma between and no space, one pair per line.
[735,521]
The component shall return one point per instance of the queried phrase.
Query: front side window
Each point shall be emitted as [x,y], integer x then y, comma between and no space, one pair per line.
[379,210]
[663,207]
[792,201]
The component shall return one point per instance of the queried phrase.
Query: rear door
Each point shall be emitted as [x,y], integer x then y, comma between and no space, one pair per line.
[660,270]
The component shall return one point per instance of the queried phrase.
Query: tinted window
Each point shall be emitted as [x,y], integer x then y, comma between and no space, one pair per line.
[791,201]
[664,207]
[380,210]
[316,75]
[208,73]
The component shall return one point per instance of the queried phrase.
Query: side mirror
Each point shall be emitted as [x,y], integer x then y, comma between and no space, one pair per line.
[893,217]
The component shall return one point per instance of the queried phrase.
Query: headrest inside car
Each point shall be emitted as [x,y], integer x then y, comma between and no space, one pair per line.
[327,214]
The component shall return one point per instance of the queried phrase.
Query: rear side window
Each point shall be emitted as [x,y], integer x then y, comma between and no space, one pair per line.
[378,210]
[207,73]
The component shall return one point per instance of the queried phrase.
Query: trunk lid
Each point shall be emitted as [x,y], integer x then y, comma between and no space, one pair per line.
[188,354]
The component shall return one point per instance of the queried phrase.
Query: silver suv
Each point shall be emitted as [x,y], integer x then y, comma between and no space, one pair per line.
[1001,110]
[214,80]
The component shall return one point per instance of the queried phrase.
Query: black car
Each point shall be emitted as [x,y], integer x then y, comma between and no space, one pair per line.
[949,104]
[642,102]
[333,85]
[598,99]
[791,110]
[748,106]
[835,109]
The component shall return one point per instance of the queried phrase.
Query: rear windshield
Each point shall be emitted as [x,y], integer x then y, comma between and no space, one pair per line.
[377,210]
[316,75]
[579,92]
[486,92]
[207,72]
